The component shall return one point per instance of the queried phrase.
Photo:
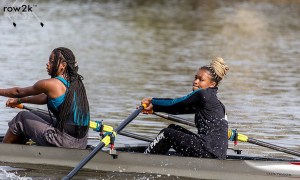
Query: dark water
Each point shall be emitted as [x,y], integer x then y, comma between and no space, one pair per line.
[128,50]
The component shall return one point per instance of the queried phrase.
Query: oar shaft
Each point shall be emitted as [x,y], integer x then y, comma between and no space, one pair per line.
[127,134]
[84,161]
[129,119]
[274,147]
[135,136]
[175,119]
[21,106]
[241,137]
[101,145]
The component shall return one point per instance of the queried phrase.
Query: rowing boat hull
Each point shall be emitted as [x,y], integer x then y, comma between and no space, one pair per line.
[158,164]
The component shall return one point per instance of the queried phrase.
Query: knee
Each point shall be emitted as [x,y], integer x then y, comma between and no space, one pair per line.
[23,114]
[168,132]
[176,127]
[20,116]
[173,126]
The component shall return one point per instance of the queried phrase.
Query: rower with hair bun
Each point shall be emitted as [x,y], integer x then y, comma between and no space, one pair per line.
[211,141]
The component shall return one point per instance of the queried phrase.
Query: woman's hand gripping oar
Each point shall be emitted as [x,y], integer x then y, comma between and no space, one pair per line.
[233,135]
[105,141]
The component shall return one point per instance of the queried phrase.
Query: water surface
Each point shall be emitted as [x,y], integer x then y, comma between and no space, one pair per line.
[133,49]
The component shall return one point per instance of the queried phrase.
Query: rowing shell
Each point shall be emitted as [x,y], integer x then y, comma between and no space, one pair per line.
[130,159]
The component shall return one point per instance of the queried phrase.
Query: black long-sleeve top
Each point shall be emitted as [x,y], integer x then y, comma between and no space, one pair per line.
[209,117]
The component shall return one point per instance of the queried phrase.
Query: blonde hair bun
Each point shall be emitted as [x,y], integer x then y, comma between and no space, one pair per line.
[219,66]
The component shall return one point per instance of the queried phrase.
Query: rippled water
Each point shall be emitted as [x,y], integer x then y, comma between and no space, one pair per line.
[133,49]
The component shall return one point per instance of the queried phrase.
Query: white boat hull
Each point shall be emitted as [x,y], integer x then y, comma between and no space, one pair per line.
[158,164]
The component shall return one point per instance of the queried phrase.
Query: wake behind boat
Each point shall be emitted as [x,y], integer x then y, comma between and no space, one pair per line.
[131,159]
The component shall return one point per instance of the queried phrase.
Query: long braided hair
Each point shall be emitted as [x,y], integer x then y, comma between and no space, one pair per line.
[76,97]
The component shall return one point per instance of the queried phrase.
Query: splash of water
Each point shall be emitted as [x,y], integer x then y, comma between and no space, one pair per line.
[6,175]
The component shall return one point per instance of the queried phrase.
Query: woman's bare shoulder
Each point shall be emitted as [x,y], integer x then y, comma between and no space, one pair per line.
[47,83]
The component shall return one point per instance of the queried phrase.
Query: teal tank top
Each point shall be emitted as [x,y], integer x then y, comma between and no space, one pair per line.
[77,123]
[56,102]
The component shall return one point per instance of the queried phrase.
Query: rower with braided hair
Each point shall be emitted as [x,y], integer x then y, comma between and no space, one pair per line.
[211,141]
[64,93]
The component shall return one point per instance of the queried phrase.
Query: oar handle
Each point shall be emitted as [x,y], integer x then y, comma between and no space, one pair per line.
[20,106]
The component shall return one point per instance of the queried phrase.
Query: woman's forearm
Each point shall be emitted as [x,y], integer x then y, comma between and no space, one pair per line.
[37,99]
[11,92]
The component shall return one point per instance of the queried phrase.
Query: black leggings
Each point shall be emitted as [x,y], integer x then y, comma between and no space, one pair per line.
[181,140]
